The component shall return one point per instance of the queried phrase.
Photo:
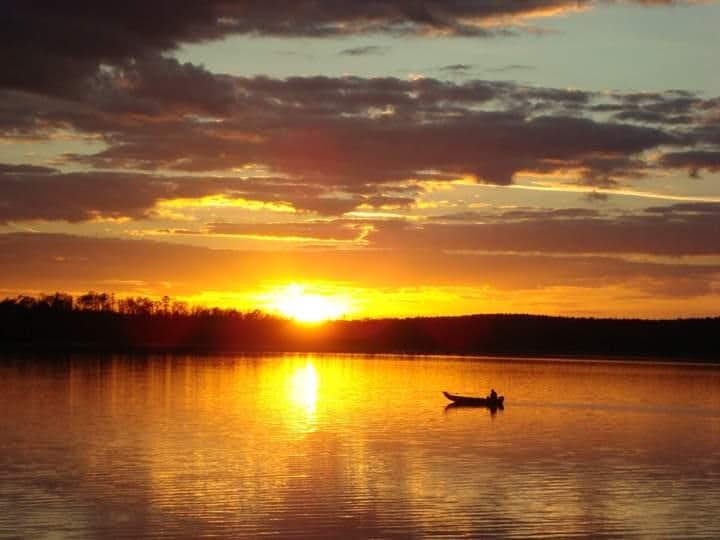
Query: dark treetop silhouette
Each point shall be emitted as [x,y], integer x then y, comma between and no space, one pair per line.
[98,321]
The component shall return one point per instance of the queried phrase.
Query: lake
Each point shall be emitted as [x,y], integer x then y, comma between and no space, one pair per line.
[315,446]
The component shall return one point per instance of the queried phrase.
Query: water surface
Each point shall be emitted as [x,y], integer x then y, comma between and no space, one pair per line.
[352,446]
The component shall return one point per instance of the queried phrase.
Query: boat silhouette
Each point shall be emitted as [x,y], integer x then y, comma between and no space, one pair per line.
[471,401]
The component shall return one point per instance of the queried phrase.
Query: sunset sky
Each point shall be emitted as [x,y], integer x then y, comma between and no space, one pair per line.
[386,157]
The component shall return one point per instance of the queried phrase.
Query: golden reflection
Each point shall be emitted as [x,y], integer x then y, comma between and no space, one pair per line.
[303,391]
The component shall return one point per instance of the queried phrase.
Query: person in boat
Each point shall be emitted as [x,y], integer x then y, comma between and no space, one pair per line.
[493,395]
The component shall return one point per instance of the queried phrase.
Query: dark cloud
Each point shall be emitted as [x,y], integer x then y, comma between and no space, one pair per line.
[41,39]
[342,230]
[351,130]
[97,71]
[674,107]
[510,67]
[708,209]
[56,48]
[77,196]
[365,50]
[653,117]
[685,229]
[30,193]
[378,201]
[340,142]
[456,68]
[522,214]
[336,142]
[6,168]
[37,193]
[693,160]
[156,85]
[674,230]
[596,197]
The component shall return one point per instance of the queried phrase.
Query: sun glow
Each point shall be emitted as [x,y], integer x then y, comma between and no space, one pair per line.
[295,302]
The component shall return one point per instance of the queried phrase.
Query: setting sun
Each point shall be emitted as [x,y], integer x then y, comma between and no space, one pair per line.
[295,302]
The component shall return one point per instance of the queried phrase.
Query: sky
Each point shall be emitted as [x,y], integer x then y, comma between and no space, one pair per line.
[385,158]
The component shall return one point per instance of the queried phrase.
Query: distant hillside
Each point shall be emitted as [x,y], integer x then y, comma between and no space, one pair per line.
[97,322]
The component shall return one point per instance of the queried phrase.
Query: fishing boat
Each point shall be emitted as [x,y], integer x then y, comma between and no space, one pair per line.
[476,401]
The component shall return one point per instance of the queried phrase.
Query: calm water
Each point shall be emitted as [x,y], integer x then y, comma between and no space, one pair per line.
[313,446]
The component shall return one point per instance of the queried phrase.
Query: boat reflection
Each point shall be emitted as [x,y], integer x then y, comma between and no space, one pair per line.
[456,406]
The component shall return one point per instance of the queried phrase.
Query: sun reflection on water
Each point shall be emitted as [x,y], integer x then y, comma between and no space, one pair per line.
[303,389]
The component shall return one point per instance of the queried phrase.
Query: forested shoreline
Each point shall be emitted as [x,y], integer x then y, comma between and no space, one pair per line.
[100,322]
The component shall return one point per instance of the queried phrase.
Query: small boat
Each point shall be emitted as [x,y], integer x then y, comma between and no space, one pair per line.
[476,401]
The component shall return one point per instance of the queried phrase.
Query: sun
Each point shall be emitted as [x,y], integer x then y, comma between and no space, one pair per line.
[295,302]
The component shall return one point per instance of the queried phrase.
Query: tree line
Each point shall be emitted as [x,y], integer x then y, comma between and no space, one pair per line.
[100,321]
[108,303]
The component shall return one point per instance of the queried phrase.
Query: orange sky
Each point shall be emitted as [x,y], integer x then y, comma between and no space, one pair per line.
[485,157]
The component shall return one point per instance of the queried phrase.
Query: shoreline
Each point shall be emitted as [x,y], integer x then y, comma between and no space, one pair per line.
[550,357]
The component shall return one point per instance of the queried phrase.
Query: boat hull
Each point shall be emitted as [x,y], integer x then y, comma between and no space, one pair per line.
[475,401]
